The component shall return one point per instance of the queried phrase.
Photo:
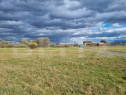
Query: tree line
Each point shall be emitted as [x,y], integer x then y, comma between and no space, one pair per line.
[38,42]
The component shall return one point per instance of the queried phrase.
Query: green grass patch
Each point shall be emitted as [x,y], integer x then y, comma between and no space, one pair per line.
[61,71]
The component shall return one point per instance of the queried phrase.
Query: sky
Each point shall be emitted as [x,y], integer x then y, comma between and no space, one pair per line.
[63,21]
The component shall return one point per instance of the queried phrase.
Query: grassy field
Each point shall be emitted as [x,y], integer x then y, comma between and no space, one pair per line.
[119,49]
[68,71]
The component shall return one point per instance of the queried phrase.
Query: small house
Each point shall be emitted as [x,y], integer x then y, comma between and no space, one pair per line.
[100,44]
[88,43]
[57,45]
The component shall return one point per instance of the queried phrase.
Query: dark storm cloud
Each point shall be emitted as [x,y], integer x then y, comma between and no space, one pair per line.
[58,19]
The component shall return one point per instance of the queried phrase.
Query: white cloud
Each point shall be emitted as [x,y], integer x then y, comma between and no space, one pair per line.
[116,25]
[5,29]
[75,19]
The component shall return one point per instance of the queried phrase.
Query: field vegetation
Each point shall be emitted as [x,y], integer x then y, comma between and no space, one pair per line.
[62,71]
[119,49]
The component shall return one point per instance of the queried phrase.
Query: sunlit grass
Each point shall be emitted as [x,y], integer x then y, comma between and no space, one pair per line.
[119,49]
[53,71]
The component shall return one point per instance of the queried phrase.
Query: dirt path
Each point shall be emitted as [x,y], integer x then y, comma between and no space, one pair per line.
[108,52]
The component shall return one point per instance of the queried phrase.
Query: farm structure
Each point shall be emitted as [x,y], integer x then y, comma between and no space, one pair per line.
[100,44]
[88,43]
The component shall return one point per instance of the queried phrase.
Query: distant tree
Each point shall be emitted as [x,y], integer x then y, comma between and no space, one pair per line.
[75,44]
[39,41]
[42,42]
[46,42]
[119,43]
[104,41]
[25,42]
[123,44]
[64,45]
[52,45]
[4,43]
[20,45]
[33,45]
[10,45]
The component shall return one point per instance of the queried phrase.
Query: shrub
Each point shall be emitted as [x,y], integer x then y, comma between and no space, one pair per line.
[19,45]
[25,42]
[104,41]
[42,42]
[10,46]
[33,45]
[3,44]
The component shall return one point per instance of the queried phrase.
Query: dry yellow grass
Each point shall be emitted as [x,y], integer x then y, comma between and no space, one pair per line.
[120,49]
[68,71]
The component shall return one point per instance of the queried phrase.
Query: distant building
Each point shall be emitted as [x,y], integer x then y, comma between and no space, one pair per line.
[88,43]
[57,44]
[100,44]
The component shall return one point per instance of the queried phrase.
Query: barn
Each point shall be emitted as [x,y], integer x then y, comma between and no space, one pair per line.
[88,43]
[100,44]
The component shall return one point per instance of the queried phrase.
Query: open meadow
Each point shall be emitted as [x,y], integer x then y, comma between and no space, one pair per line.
[61,71]
[119,49]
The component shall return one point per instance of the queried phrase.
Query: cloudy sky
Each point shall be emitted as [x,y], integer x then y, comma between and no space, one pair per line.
[63,20]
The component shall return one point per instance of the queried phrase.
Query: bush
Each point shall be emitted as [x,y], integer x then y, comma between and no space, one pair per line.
[33,45]
[42,42]
[104,41]
[19,45]
[10,46]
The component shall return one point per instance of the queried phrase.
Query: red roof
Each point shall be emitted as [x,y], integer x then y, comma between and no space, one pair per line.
[87,42]
[101,43]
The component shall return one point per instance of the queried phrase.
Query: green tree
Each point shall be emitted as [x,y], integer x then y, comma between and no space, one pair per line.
[42,42]
[20,45]
[33,45]
[104,41]
[4,43]
[75,44]
[39,41]
[46,42]
[25,42]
